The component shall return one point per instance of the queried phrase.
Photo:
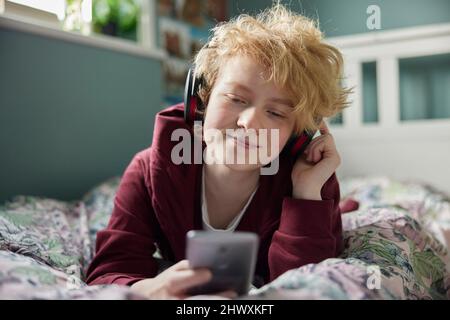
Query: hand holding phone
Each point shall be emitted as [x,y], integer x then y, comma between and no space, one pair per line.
[231,257]
[173,283]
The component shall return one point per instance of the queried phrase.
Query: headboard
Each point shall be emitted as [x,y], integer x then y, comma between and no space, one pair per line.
[416,150]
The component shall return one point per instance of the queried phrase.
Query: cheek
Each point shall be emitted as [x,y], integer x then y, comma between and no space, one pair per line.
[214,125]
[218,116]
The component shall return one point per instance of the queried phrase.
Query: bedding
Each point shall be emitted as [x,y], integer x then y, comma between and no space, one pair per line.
[394,234]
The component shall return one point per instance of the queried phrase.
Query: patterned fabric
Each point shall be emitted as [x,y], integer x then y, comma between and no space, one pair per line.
[388,255]
[395,247]
[425,204]
[43,229]
[22,277]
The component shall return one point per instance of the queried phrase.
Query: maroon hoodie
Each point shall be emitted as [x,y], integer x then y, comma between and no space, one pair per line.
[158,202]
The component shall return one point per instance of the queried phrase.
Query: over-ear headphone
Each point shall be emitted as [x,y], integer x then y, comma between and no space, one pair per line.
[193,104]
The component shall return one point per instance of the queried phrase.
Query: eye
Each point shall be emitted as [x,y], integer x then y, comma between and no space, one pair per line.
[275,114]
[236,99]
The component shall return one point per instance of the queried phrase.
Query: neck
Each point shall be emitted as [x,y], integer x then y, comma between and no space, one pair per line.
[226,192]
[223,182]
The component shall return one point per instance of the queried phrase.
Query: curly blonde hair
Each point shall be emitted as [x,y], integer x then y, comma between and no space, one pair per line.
[291,49]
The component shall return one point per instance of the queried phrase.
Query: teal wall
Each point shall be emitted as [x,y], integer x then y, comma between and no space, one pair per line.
[71,115]
[344,17]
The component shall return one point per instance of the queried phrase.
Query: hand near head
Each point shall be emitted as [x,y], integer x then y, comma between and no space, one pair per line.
[174,282]
[316,165]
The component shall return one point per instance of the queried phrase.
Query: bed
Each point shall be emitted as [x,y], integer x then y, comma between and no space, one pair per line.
[395,247]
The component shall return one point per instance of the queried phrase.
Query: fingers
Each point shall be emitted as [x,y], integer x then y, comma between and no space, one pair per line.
[230,294]
[323,128]
[181,265]
[310,151]
[314,153]
[324,132]
[316,148]
[184,279]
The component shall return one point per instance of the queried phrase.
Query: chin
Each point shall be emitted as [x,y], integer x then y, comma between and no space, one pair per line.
[244,167]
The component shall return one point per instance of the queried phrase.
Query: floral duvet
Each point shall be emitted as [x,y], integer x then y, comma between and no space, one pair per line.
[395,247]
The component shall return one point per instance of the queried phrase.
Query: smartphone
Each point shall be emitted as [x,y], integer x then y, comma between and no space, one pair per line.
[231,257]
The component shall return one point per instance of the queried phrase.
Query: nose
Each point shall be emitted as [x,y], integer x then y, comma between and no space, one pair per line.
[249,119]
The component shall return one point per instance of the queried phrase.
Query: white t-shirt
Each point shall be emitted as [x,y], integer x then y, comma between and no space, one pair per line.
[205,218]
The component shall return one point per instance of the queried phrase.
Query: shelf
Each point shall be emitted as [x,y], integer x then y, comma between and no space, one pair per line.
[29,25]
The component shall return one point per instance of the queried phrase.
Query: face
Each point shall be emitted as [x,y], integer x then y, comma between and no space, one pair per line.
[246,104]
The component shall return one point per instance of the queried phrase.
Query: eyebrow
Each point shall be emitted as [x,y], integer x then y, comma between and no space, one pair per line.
[285,102]
[240,86]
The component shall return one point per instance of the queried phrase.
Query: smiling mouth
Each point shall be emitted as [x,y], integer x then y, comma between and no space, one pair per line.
[243,142]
